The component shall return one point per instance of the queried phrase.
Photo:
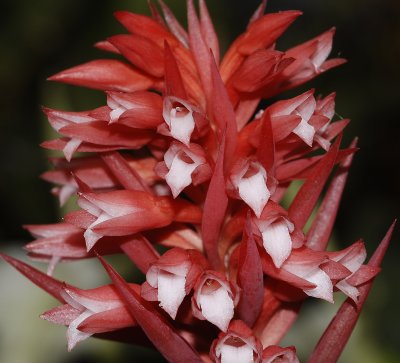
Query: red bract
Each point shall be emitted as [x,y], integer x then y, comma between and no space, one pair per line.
[184,158]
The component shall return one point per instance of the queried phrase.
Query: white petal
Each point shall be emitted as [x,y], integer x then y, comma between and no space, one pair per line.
[348,289]
[353,260]
[179,175]
[88,206]
[324,289]
[112,103]
[74,336]
[254,192]
[65,192]
[307,108]
[313,274]
[112,209]
[217,307]
[52,264]
[179,119]
[305,131]
[116,113]
[92,237]
[171,291]
[71,146]
[277,242]
[181,126]
[324,143]
[231,354]
[323,49]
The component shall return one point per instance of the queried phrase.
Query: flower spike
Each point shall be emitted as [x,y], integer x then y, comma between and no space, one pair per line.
[189,177]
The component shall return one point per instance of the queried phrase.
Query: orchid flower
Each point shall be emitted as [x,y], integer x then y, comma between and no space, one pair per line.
[186,177]
[238,344]
[172,277]
[214,299]
[90,311]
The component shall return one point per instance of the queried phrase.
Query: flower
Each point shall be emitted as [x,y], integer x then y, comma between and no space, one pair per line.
[187,177]
[238,344]
[172,277]
[91,311]
[214,299]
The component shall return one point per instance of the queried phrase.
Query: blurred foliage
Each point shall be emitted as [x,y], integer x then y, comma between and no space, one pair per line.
[40,38]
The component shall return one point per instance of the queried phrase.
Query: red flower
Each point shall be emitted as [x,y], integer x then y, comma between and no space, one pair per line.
[172,277]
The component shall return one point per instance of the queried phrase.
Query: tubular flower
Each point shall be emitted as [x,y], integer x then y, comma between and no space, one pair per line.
[184,157]
[92,311]
[172,277]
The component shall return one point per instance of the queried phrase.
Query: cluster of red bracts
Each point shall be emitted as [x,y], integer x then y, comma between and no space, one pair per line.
[202,174]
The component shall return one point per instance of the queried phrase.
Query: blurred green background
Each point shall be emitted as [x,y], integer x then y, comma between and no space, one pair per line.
[40,38]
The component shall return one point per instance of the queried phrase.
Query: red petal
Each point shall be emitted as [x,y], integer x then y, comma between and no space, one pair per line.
[164,337]
[143,109]
[62,315]
[257,70]
[59,144]
[141,52]
[133,223]
[275,354]
[146,27]
[102,133]
[336,335]
[264,32]
[108,320]
[105,74]
[80,218]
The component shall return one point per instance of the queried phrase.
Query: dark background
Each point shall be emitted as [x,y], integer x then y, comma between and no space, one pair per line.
[40,38]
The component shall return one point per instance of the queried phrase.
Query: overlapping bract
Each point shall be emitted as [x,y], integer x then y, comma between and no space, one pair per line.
[184,158]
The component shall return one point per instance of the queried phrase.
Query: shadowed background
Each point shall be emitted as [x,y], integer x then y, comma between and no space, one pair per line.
[40,38]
